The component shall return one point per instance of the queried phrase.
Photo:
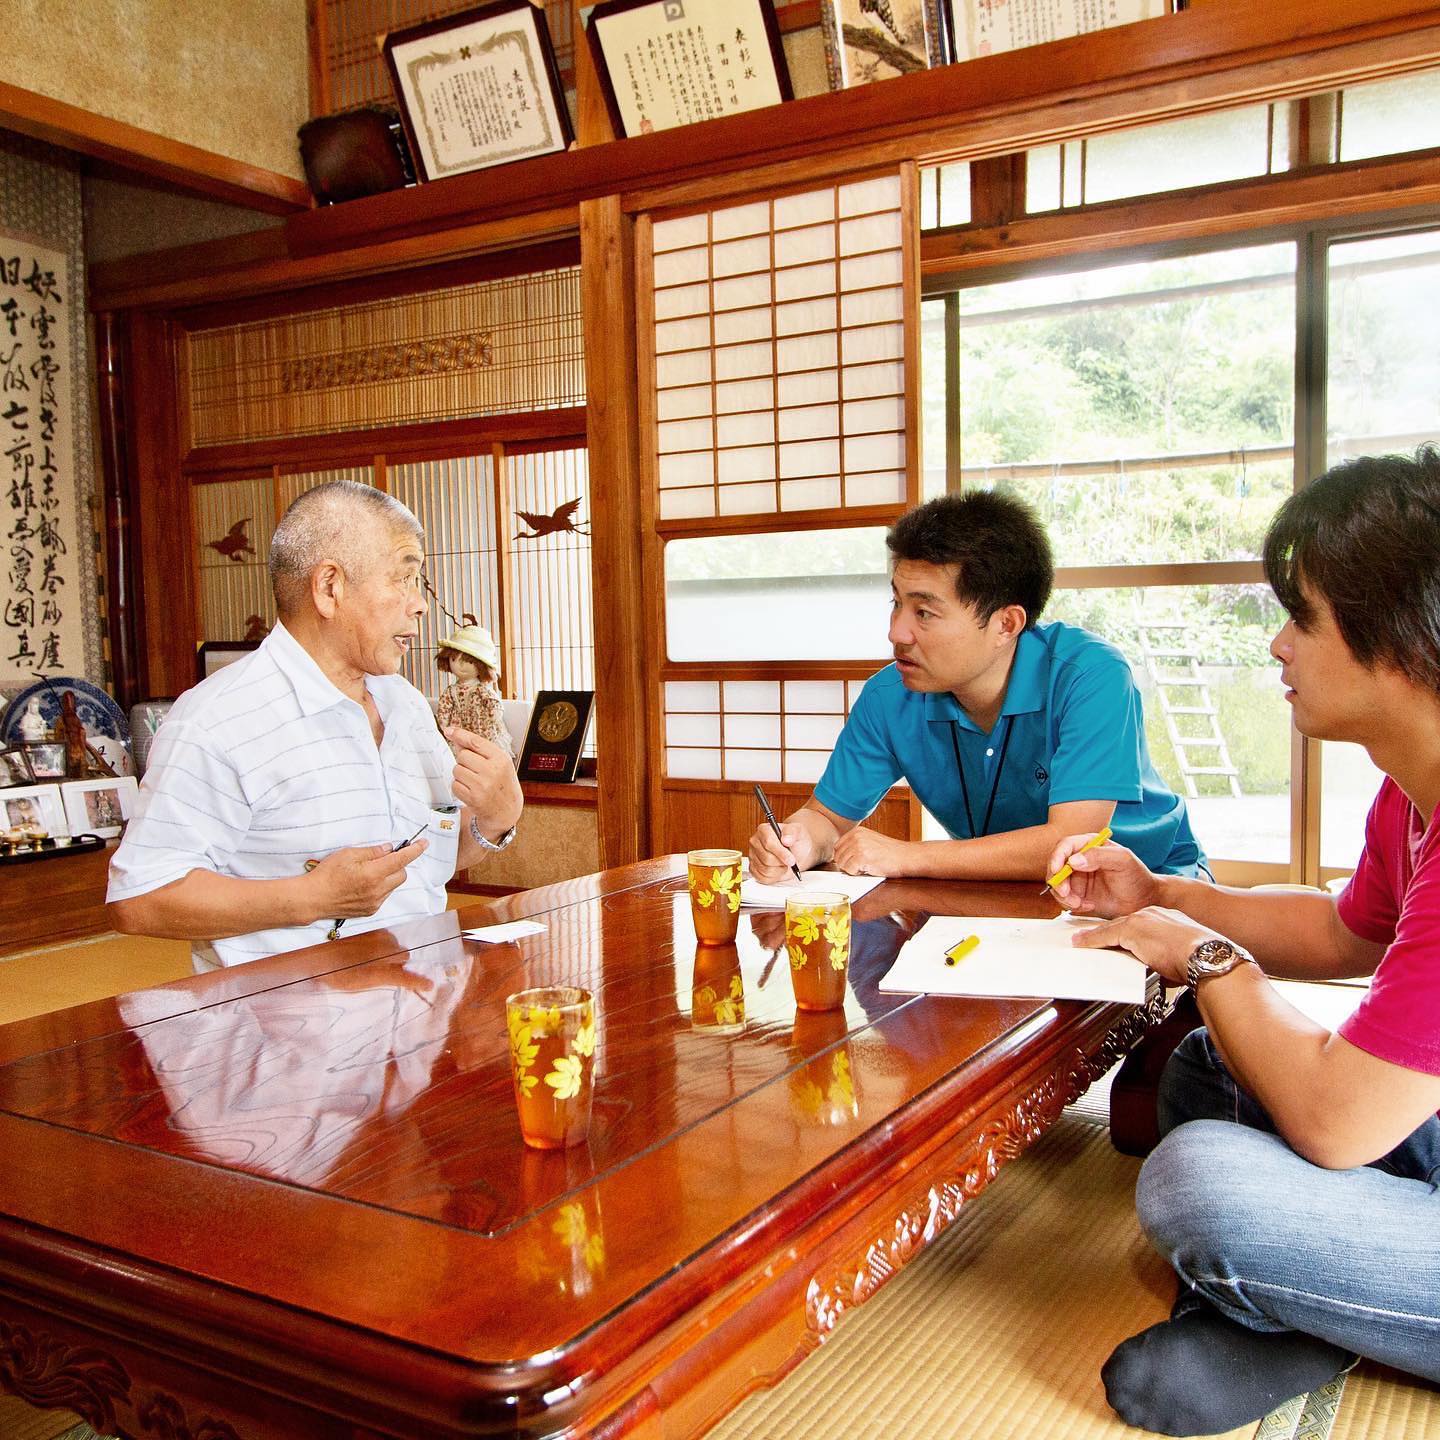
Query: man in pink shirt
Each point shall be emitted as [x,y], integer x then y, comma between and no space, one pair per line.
[1295,1189]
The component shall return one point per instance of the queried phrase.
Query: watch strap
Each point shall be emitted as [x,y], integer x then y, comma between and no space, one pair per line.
[484,842]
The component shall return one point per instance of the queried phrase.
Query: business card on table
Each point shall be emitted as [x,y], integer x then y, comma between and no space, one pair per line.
[501,934]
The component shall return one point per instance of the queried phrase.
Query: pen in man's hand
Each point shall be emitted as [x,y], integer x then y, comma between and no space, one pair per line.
[1065,872]
[333,933]
[774,825]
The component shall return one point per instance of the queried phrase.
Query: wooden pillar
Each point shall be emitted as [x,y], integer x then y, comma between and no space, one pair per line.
[120,597]
[161,527]
[623,755]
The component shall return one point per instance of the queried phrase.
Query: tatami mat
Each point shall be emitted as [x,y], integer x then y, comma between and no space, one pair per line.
[1000,1328]
[34,982]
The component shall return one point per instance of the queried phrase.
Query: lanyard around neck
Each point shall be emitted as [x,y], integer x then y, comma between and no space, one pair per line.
[994,784]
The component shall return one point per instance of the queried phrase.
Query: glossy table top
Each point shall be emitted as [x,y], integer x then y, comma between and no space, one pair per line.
[333,1133]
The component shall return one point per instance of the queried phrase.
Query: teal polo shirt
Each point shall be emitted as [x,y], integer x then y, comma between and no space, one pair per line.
[1076,732]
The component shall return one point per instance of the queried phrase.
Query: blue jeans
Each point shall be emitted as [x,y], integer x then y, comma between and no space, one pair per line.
[1277,1243]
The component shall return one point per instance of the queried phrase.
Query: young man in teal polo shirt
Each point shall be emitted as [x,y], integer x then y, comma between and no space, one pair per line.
[1012,734]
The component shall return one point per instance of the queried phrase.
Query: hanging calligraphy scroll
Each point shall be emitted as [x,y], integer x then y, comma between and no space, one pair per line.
[42,624]
[665,63]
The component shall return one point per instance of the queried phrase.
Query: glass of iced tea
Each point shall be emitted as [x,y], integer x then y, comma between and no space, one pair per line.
[715,894]
[552,1054]
[817,940]
[717,994]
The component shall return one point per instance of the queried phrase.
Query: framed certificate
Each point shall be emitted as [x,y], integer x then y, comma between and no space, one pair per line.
[665,63]
[478,89]
[978,27]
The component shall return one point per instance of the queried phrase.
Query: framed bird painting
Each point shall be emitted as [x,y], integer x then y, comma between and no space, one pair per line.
[869,40]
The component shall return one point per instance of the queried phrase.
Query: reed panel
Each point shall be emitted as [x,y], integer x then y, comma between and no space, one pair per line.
[549,602]
[454,500]
[495,347]
[234,520]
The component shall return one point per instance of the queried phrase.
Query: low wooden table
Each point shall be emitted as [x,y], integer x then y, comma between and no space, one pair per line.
[291,1199]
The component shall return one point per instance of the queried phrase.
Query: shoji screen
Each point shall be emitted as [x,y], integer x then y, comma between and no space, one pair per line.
[779,346]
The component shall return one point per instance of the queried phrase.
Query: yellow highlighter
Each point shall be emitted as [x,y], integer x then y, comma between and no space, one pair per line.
[1064,872]
[957,952]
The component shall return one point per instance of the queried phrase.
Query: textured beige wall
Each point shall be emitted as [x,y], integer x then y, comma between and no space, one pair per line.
[132,217]
[553,843]
[230,76]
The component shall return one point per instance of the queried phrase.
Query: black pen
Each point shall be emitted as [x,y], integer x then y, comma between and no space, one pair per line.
[774,825]
[333,933]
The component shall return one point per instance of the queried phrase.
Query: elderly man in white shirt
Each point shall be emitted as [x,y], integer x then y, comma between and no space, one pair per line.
[306,787]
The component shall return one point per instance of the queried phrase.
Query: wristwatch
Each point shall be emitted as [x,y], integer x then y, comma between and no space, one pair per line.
[1214,957]
[487,844]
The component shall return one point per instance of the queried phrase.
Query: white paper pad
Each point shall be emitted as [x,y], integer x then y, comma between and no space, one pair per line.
[1015,957]
[773,897]
[499,934]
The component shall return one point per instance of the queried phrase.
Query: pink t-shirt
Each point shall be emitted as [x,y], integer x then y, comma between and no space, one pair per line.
[1394,899]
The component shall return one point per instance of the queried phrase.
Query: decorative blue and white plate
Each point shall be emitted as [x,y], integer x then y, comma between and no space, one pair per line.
[101,716]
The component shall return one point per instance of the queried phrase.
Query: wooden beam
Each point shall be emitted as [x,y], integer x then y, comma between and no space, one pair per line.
[429,440]
[261,264]
[617,520]
[1358,188]
[1229,52]
[189,168]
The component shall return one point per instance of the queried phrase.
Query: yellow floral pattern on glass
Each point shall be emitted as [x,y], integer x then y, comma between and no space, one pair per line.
[564,1079]
[837,936]
[727,883]
[523,1051]
[805,926]
[535,1023]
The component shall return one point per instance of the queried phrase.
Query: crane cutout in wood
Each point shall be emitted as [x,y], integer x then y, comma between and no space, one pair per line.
[236,544]
[561,519]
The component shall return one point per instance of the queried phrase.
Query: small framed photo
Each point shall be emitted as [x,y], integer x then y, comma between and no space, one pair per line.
[15,768]
[47,759]
[478,89]
[215,655]
[664,63]
[37,808]
[99,807]
[865,41]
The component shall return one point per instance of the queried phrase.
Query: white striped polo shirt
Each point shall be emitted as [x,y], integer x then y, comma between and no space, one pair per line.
[266,765]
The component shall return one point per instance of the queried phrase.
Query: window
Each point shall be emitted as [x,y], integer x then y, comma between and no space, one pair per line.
[1146,410]
[814,595]
[1382,384]
[1175,155]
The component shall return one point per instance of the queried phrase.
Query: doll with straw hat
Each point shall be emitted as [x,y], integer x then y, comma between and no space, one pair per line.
[471,655]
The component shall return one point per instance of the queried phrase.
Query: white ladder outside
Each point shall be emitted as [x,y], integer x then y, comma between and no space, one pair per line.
[1175,668]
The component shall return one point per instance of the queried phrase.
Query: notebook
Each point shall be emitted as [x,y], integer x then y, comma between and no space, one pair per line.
[1029,958]
[773,897]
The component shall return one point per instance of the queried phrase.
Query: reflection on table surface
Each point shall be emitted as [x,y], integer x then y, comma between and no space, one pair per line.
[389,1081]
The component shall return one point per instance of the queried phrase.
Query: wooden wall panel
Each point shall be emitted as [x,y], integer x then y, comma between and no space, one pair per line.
[698,814]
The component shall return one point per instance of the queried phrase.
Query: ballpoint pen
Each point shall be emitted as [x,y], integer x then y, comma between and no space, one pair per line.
[774,825]
[333,933]
[1064,872]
